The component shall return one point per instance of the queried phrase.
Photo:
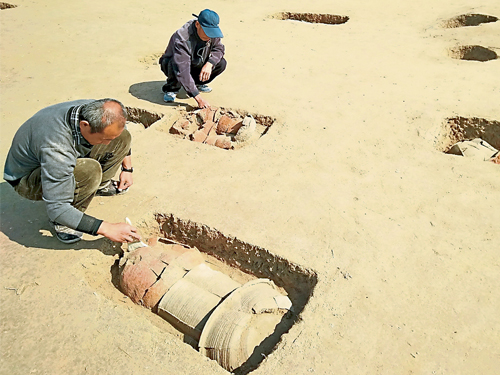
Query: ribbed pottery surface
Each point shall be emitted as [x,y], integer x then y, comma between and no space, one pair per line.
[188,303]
[241,322]
[212,281]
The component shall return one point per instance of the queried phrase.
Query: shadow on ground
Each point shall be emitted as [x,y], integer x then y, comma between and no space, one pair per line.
[152,92]
[26,223]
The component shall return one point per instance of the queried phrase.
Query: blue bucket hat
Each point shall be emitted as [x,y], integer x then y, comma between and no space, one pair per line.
[209,21]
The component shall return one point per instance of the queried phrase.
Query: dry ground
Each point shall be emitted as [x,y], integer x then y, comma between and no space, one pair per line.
[348,183]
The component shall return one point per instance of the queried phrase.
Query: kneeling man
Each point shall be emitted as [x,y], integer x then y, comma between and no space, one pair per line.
[66,154]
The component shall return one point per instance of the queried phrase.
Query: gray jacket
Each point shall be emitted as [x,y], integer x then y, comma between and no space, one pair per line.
[184,49]
[46,140]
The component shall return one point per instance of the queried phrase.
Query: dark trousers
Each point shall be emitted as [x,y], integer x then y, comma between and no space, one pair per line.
[173,84]
[90,173]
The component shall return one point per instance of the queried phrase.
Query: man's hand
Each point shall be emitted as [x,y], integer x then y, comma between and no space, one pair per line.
[119,232]
[206,71]
[202,103]
[126,180]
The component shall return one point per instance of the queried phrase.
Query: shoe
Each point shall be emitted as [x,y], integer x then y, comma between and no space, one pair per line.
[110,190]
[204,88]
[170,96]
[65,234]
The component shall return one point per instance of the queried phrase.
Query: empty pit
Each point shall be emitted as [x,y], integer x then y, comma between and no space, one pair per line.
[141,116]
[223,128]
[328,19]
[473,53]
[457,129]
[471,19]
[7,6]
[240,263]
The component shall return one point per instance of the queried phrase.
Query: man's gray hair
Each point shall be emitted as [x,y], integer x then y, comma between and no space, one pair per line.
[98,117]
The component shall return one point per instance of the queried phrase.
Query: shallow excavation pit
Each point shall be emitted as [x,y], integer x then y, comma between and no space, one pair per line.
[329,19]
[473,53]
[142,116]
[297,281]
[458,129]
[231,300]
[7,6]
[471,19]
[224,128]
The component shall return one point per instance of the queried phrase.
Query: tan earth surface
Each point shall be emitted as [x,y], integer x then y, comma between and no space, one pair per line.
[348,183]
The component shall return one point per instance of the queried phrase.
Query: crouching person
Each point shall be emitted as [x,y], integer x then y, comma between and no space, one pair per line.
[66,154]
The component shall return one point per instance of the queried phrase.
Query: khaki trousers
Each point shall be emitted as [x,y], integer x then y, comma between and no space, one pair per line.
[90,173]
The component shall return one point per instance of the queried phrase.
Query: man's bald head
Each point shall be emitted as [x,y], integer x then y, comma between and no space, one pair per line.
[102,113]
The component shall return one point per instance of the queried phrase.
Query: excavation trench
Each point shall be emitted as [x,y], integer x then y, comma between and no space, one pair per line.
[253,261]
[179,253]
[329,19]
[472,19]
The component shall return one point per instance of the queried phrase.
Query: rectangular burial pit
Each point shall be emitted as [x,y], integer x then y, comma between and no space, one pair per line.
[224,128]
[247,264]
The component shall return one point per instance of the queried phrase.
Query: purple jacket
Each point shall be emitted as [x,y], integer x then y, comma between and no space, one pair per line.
[187,49]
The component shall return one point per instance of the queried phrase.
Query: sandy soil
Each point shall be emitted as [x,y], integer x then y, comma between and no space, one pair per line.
[347,183]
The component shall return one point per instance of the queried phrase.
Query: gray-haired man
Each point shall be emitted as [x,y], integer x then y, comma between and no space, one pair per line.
[64,155]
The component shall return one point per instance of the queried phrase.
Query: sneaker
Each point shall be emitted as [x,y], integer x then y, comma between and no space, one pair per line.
[65,234]
[110,189]
[170,96]
[204,88]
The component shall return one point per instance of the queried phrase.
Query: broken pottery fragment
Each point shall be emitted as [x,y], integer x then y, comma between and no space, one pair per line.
[180,127]
[258,296]
[475,149]
[225,124]
[148,272]
[139,271]
[214,282]
[247,130]
[187,307]
[198,136]
[211,140]
[232,338]
[217,115]
[190,259]
[242,321]
[207,127]
[170,275]
[235,127]
[204,115]
[223,142]
[190,301]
